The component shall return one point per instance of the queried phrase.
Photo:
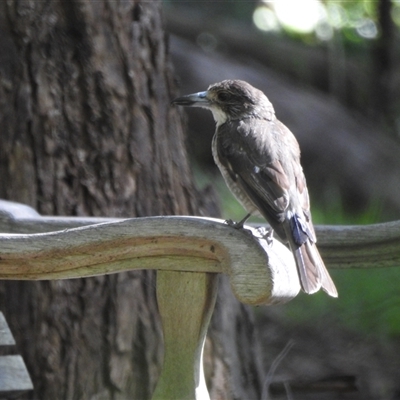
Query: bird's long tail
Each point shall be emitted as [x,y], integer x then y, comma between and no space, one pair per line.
[312,271]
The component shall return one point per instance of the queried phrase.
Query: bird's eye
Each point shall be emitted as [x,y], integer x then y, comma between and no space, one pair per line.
[224,96]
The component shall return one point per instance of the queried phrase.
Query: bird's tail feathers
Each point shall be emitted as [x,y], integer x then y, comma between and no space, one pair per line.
[326,281]
[312,270]
[308,271]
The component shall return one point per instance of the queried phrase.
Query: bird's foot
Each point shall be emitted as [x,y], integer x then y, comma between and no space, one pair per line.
[237,225]
[267,235]
[233,224]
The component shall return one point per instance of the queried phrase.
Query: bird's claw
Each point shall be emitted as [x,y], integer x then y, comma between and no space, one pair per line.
[266,234]
[269,237]
[233,224]
[237,225]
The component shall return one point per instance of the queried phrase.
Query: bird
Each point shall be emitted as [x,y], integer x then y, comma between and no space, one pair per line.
[259,159]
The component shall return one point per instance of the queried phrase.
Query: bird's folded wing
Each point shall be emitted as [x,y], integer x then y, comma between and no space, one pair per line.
[265,183]
[249,160]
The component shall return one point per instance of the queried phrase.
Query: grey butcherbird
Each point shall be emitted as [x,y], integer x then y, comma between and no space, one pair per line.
[259,159]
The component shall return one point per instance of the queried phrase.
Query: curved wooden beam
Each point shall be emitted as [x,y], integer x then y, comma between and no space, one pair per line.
[259,273]
[341,246]
[106,245]
[360,246]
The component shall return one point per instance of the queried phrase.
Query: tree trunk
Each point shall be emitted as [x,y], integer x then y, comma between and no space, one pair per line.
[86,129]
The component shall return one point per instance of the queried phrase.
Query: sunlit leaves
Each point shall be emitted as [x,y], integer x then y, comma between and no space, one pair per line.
[357,20]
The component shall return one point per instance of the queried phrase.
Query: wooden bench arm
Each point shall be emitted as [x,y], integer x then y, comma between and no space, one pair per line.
[259,273]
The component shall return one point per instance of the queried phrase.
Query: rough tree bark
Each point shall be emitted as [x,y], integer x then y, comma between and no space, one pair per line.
[86,129]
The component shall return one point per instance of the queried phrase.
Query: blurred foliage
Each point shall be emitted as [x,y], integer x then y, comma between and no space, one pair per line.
[368,301]
[357,20]
[336,212]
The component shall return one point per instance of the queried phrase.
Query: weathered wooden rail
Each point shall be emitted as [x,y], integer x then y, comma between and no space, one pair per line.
[188,253]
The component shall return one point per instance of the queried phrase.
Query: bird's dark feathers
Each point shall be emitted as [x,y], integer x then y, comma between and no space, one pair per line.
[246,154]
[300,231]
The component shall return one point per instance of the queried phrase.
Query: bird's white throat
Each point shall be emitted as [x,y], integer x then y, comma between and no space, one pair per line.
[220,117]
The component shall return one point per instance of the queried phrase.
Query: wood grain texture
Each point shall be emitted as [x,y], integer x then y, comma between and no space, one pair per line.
[14,377]
[182,244]
[186,302]
[360,246]
[6,337]
[259,273]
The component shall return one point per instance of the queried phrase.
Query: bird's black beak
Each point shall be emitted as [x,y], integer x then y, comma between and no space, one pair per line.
[195,100]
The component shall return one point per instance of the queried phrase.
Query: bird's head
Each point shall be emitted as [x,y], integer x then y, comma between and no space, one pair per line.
[230,100]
